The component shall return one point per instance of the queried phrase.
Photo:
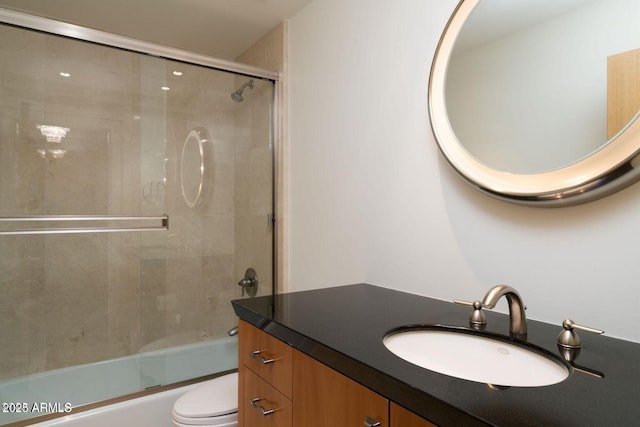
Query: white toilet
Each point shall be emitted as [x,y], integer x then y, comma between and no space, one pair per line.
[213,403]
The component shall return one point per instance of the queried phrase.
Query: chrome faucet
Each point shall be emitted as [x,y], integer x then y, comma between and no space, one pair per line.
[517,317]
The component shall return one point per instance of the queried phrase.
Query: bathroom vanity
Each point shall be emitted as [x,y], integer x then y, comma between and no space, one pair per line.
[277,376]
[317,358]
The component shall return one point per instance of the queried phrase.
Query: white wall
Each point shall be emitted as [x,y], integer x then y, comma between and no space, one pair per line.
[372,200]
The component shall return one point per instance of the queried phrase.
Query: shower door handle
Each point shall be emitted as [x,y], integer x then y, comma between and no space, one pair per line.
[65,219]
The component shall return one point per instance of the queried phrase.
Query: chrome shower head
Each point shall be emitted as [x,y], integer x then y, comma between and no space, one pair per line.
[237,95]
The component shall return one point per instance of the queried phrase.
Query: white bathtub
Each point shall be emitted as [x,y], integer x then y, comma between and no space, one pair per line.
[94,382]
[148,411]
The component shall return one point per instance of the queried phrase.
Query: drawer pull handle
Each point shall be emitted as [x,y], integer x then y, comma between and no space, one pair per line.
[370,422]
[255,355]
[265,412]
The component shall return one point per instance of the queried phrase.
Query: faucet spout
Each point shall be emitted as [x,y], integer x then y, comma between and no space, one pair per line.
[517,317]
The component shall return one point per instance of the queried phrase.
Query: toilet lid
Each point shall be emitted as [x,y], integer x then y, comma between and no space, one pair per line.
[212,398]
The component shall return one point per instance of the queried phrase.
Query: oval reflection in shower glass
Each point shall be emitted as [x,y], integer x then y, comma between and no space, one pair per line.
[193,167]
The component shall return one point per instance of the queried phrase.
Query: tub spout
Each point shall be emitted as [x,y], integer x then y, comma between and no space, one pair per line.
[517,317]
[233,331]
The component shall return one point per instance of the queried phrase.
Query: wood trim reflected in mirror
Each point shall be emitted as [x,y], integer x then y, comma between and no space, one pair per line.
[609,169]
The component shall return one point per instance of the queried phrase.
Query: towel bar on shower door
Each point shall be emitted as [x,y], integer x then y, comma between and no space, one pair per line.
[164,224]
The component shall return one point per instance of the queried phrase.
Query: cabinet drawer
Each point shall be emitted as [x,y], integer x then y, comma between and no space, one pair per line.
[267,356]
[262,405]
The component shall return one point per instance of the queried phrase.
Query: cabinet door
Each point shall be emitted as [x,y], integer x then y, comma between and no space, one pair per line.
[324,397]
[262,405]
[400,417]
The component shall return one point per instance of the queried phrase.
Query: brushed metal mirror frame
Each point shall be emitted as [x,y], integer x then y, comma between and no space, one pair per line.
[609,169]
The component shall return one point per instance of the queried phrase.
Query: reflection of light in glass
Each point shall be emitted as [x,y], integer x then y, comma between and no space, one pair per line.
[165,88]
[53,133]
[65,74]
[54,154]
[177,73]
[57,154]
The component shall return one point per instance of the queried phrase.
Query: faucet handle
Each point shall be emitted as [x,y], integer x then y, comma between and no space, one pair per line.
[568,338]
[477,319]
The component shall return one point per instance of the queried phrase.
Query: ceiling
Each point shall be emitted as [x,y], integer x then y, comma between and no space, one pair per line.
[219,28]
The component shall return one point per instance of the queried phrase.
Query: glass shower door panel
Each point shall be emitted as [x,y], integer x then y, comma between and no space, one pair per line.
[254,185]
[219,195]
[72,157]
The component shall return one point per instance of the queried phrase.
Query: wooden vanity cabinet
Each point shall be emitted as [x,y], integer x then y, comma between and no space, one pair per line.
[283,387]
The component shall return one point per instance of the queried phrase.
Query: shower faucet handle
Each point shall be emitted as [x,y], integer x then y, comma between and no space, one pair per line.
[249,282]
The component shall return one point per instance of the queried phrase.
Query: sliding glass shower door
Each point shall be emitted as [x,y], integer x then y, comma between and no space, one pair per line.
[134,193]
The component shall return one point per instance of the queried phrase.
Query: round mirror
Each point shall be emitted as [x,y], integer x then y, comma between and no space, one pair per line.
[536,101]
[192,166]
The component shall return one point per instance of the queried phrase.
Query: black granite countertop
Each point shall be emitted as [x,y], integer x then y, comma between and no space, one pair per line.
[343,328]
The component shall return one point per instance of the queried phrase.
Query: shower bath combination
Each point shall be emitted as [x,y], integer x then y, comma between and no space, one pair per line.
[54,234]
[237,95]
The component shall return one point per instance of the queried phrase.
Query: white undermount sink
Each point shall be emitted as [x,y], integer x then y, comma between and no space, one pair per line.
[474,357]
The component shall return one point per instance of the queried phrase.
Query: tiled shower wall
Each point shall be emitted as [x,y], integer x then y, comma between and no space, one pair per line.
[79,298]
